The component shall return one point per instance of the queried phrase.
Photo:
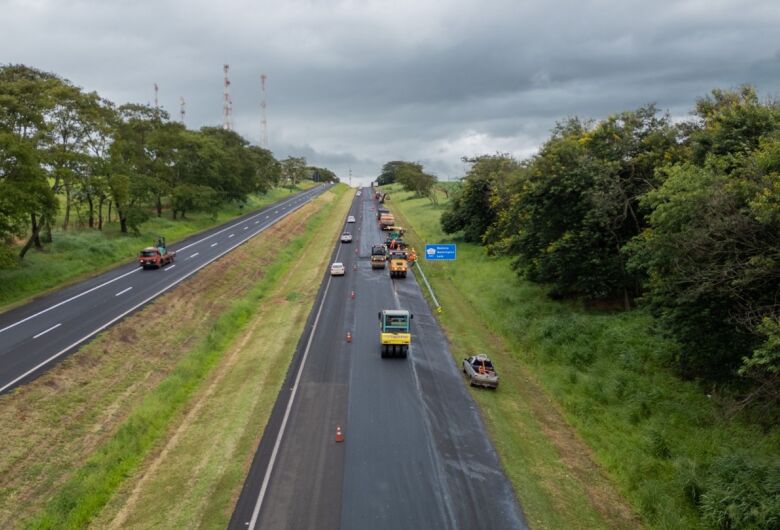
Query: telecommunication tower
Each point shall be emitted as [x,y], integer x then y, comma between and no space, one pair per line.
[156,99]
[182,109]
[264,122]
[227,104]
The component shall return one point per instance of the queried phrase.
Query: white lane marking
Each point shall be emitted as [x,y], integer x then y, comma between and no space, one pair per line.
[257,222]
[68,300]
[276,211]
[214,245]
[123,291]
[231,235]
[46,331]
[246,228]
[145,301]
[277,444]
[308,195]
[194,255]
[169,267]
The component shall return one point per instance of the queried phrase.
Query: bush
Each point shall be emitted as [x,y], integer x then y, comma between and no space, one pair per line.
[742,492]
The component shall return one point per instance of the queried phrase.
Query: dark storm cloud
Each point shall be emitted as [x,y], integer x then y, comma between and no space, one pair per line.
[355,84]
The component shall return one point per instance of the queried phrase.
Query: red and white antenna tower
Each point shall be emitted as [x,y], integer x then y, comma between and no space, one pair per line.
[182,109]
[264,122]
[227,104]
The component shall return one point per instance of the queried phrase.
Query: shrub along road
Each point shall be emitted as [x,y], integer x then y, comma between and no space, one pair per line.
[416,452]
[35,335]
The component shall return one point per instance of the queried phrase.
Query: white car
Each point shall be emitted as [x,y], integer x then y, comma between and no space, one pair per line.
[337,269]
[346,237]
[351,219]
[358,194]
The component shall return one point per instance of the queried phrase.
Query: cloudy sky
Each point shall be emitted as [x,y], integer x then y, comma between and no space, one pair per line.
[354,84]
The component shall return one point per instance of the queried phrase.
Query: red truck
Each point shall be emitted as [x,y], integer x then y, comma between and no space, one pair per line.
[157,256]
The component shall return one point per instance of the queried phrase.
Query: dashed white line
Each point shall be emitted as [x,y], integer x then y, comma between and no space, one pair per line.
[246,228]
[266,217]
[123,291]
[46,331]
[231,235]
[257,222]
[214,245]
[169,267]
[194,255]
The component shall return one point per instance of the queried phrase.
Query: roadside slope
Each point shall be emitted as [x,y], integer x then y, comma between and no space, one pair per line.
[74,413]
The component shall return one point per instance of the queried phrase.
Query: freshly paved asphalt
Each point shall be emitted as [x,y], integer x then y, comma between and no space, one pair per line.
[35,336]
[416,453]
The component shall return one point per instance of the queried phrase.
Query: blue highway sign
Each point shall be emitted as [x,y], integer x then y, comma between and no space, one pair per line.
[440,252]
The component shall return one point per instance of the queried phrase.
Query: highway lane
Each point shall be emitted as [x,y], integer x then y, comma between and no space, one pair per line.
[38,334]
[416,453]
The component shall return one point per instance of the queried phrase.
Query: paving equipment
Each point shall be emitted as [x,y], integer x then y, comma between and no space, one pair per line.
[378,256]
[398,266]
[386,221]
[156,256]
[394,332]
[381,211]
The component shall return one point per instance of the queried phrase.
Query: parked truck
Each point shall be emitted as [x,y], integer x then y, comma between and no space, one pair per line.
[378,256]
[395,336]
[156,256]
[380,212]
[386,221]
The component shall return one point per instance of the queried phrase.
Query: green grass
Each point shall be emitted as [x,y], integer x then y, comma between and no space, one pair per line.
[82,496]
[78,253]
[655,435]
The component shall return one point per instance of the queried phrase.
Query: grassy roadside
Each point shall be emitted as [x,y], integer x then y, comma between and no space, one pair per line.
[585,416]
[77,254]
[210,451]
[76,434]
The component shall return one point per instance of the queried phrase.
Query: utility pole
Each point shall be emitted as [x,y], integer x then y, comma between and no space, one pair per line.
[264,121]
[350,177]
[156,99]
[182,110]
[227,103]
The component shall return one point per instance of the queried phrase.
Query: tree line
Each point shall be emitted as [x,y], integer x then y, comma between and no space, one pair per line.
[66,150]
[682,217]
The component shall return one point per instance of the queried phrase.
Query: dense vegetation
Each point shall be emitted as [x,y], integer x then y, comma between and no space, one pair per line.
[67,153]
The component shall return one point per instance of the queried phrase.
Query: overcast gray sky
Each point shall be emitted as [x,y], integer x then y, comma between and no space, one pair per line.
[354,84]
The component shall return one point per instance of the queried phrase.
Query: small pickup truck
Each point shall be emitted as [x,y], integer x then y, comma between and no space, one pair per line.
[479,369]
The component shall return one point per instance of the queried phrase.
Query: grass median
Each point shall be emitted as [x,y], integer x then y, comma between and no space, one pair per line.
[81,252]
[586,415]
[92,423]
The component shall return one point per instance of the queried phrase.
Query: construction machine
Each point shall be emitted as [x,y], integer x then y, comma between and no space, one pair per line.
[395,332]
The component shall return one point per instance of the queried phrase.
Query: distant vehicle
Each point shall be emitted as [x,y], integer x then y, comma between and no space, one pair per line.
[337,269]
[358,194]
[378,256]
[346,237]
[156,256]
[351,219]
[479,369]
[386,221]
[395,332]
[380,211]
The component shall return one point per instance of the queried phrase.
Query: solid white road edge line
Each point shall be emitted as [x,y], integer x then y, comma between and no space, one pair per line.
[58,304]
[46,331]
[158,293]
[277,444]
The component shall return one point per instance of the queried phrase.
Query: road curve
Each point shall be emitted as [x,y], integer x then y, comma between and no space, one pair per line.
[35,336]
[416,453]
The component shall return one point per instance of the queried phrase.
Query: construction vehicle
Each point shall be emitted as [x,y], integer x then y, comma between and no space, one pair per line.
[156,256]
[398,266]
[394,332]
[480,371]
[378,256]
[386,221]
[397,231]
[381,211]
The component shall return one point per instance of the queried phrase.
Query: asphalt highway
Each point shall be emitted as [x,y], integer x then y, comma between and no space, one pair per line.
[35,336]
[416,453]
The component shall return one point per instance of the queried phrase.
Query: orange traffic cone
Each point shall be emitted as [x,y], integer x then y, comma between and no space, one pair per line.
[349,336]
[339,434]
[353,295]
